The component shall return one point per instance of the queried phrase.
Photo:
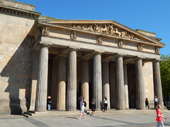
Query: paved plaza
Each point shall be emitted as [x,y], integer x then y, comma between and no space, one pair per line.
[121,120]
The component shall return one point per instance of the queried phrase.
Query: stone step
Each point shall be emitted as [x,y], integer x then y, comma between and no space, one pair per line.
[55,113]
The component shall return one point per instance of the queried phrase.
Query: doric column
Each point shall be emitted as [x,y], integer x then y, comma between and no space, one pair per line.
[41,95]
[72,80]
[85,81]
[97,81]
[140,86]
[120,83]
[105,80]
[61,93]
[157,82]
[126,87]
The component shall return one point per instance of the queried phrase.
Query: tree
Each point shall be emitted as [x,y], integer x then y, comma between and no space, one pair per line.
[165,74]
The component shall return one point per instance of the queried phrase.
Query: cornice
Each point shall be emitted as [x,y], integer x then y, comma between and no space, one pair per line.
[98,34]
[20,12]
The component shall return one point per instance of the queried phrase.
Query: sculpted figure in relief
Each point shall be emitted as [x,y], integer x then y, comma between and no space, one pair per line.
[97,28]
[117,32]
[84,27]
[157,50]
[124,34]
[90,28]
[111,30]
[99,40]
[108,29]
[120,44]
[140,47]
[45,31]
[105,29]
[73,35]
[74,26]
[78,26]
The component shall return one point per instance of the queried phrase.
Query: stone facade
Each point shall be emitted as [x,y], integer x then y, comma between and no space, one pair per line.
[67,58]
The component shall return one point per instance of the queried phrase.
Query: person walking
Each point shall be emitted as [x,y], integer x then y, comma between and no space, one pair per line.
[93,106]
[155,101]
[49,102]
[105,104]
[147,103]
[159,116]
[82,108]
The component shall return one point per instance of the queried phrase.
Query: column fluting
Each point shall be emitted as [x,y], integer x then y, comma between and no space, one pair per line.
[41,94]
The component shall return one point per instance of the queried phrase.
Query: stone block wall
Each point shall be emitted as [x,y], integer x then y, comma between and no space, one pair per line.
[15,63]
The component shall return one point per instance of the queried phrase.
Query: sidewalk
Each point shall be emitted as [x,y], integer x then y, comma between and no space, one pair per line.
[118,120]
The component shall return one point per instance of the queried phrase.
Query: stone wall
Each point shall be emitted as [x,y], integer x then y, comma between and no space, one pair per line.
[15,63]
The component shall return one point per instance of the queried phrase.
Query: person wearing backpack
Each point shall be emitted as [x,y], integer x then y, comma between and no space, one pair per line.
[82,108]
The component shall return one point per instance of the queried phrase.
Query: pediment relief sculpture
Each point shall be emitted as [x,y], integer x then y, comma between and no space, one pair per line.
[140,47]
[157,50]
[99,40]
[120,44]
[106,29]
[73,35]
[45,31]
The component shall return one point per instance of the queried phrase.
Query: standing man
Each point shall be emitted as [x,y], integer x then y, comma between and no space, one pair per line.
[49,102]
[155,101]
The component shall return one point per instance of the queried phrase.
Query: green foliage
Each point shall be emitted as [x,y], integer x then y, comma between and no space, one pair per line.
[165,74]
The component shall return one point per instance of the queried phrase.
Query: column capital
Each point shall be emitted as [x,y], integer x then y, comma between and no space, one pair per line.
[120,55]
[99,52]
[139,58]
[157,60]
[45,45]
[73,49]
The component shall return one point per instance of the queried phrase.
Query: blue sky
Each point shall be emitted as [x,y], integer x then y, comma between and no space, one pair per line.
[149,15]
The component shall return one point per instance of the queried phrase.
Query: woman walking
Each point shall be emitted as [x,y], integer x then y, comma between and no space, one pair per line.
[82,109]
[105,104]
[92,106]
[159,116]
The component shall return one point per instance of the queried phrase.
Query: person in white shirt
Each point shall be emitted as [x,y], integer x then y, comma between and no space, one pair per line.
[155,101]
[105,104]
[82,108]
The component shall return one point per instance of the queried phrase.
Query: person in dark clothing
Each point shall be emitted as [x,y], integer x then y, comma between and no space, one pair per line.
[147,103]
[93,106]
[105,104]
[49,102]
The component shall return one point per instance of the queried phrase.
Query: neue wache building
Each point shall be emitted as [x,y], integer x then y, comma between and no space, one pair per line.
[41,56]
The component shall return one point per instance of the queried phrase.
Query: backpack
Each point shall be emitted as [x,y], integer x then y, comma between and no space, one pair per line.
[84,104]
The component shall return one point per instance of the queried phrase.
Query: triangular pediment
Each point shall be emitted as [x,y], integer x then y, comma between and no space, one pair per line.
[105,27]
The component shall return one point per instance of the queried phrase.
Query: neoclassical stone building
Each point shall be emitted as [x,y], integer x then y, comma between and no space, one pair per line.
[42,56]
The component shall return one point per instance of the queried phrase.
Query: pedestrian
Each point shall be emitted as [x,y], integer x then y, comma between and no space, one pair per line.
[49,102]
[155,101]
[82,96]
[82,109]
[93,106]
[147,103]
[105,104]
[159,116]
